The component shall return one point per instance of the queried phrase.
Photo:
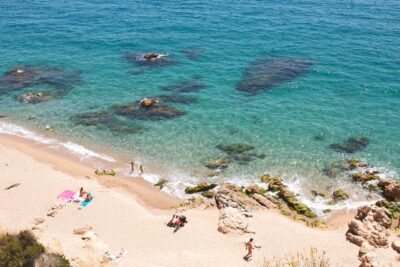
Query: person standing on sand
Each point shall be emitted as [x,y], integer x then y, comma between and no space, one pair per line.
[250,246]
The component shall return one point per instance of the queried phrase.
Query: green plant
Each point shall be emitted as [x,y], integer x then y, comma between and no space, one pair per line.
[304,259]
[17,250]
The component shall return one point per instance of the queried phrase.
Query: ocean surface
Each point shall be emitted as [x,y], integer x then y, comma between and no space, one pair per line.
[351,86]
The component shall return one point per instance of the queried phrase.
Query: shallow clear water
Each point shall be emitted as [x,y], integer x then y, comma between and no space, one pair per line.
[353,87]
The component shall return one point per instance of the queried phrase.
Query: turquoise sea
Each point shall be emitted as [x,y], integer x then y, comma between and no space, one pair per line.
[352,87]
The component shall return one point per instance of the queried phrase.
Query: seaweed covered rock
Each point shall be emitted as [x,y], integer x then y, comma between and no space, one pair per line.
[364,177]
[208,194]
[338,167]
[58,79]
[161,183]
[391,206]
[340,194]
[156,111]
[290,198]
[110,172]
[370,225]
[317,193]
[218,163]
[267,72]
[353,144]
[185,86]
[34,97]
[390,189]
[254,189]
[199,188]
[267,178]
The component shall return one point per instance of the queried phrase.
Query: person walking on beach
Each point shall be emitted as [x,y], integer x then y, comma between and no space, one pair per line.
[249,247]
[139,164]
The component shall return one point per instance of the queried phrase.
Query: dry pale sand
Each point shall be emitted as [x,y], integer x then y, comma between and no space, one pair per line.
[120,220]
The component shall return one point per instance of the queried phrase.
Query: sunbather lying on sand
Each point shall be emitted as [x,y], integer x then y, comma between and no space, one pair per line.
[177,222]
[79,196]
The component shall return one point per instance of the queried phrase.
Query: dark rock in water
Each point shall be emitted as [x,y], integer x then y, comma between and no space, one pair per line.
[191,53]
[158,111]
[353,144]
[176,99]
[235,148]
[185,86]
[19,77]
[266,72]
[149,59]
[35,97]
[92,118]
[340,194]
[202,187]
[105,121]
[319,137]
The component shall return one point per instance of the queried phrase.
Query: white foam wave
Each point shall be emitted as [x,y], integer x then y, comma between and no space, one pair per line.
[84,153]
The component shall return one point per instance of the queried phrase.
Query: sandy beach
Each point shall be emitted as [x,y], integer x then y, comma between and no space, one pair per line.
[132,216]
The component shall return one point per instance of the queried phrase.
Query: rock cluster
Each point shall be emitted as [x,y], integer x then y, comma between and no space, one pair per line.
[351,145]
[370,225]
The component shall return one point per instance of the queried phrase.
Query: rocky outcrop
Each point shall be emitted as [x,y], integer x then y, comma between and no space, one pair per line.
[352,144]
[370,225]
[264,201]
[147,102]
[161,183]
[202,187]
[290,198]
[369,260]
[396,246]
[254,189]
[234,210]
[390,189]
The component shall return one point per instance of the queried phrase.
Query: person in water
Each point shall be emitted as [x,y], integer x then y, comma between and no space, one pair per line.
[250,246]
[136,163]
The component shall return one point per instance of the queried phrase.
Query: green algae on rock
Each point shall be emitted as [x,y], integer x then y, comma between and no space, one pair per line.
[199,188]
[340,194]
[161,183]
[110,172]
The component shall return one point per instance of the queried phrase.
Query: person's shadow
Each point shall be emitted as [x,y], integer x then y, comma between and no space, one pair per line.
[247,258]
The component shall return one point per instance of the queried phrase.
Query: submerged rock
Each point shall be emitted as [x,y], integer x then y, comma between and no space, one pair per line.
[24,76]
[34,97]
[235,148]
[199,188]
[152,59]
[185,86]
[156,111]
[218,163]
[353,144]
[364,177]
[191,53]
[266,72]
[319,137]
[338,167]
[176,99]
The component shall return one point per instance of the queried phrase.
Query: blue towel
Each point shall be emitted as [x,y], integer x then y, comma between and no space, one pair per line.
[86,202]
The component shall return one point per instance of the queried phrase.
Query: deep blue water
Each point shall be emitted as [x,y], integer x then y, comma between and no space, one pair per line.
[352,88]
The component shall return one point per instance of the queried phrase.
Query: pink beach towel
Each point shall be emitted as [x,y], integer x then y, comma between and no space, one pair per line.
[67,194]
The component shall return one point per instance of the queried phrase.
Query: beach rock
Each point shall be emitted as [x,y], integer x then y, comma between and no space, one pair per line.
[185,86]
[38,221]
[396,246]
[392,207]
[264,201]
[317,193]
[370,225]
[290,198]
[365,248]
[267,178]
[369,260]
[199,188]
[364,177]
[235,148]
[225,198]
[254,189]
[156,111]
[391,189]
[353,144]
[193,202]
[110,172]
[82,230]
[161,183]
[267,72]
[147,102]
[208,194]
[218,163]
[232,220]
[340,194]
[34,97]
